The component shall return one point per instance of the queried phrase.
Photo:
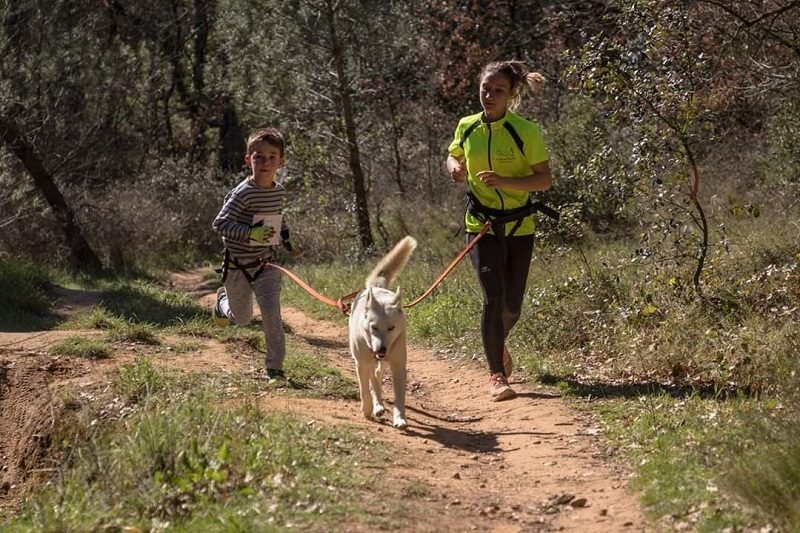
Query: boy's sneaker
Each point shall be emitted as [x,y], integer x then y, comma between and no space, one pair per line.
[499,389]
[508,363]
[275,375]
[217,316]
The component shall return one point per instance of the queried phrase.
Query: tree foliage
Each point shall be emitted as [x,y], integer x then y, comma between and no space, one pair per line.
[140,111]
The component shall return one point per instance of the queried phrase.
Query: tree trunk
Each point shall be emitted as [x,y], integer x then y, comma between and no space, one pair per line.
[203,15]
[397,133]
[83,257]
[337,53]
[702,223]
[231,146]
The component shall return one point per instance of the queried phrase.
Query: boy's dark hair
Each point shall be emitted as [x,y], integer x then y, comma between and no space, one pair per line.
[270,135]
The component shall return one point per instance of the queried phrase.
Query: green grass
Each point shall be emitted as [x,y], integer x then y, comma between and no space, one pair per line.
[24,304]
[196,466]
[708,464]
[98,318]
[78,346]
[311,373]
[250,337]
[141,312]
[138,333]
[138,380]
[183,346]
[763,473]
[679,379]
[198,326]
[150,303]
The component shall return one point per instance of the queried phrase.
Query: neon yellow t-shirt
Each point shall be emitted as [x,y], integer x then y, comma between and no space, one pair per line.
[491,146]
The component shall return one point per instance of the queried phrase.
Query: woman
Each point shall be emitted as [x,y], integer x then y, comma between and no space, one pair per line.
[502,157]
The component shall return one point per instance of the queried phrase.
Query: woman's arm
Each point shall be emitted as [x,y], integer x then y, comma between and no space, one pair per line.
[456,168]
[539,179]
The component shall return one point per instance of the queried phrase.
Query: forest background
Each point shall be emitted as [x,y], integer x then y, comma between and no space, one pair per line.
[672,126]
[125,124]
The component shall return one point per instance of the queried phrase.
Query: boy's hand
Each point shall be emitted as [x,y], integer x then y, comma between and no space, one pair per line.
[261,234]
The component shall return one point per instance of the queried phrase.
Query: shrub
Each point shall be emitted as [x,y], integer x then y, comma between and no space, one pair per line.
[138,380]
[23,303]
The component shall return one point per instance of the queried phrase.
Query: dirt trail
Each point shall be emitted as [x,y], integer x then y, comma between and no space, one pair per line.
[528,464]
[465,463]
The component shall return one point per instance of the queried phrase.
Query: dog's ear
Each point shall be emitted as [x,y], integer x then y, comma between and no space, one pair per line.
[397,297]
[368,298]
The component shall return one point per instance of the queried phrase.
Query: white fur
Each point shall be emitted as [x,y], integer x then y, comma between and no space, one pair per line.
[378,334]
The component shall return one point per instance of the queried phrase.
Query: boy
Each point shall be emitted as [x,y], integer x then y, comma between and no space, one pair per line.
[247,223]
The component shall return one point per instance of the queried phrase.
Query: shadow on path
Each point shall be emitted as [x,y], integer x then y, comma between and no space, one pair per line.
[652,388]
[320,342]
[463,439]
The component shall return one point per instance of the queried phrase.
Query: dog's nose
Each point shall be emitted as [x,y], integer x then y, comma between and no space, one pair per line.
[382,350]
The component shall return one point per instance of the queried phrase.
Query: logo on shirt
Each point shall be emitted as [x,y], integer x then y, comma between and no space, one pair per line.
[504,156]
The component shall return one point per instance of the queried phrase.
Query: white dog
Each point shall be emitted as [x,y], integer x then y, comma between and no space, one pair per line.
[378,334]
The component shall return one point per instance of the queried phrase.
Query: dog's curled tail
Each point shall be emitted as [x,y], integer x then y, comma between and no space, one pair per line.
[390,266]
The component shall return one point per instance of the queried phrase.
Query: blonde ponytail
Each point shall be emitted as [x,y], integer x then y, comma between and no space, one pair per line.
[535,81]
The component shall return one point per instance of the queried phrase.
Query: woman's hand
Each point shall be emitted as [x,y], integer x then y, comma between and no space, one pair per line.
[540,179]
[456,169]
[490,178]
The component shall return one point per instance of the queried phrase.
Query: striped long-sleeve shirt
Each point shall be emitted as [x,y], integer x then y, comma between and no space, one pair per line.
[235,219]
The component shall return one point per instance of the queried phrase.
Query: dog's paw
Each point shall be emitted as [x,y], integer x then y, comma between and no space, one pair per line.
[378,411]
[400,423]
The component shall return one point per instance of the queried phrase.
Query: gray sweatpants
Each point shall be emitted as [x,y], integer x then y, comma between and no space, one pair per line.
[238,306]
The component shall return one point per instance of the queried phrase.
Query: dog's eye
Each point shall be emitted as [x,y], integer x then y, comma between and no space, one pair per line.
[374,328]
[391,328]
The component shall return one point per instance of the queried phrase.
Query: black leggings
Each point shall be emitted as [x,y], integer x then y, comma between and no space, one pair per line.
[503,273]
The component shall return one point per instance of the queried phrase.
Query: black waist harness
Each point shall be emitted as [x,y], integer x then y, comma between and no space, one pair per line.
[501,217]
[229,262]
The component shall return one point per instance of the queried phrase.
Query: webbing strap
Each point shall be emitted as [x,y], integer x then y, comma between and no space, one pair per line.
[502,217]
[339,304]
[484,230]
[514,135]
[226,266]
[243,267]
[468,132]
[508,127]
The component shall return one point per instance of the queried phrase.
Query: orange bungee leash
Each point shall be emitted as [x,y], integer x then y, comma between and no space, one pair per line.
[343,303]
